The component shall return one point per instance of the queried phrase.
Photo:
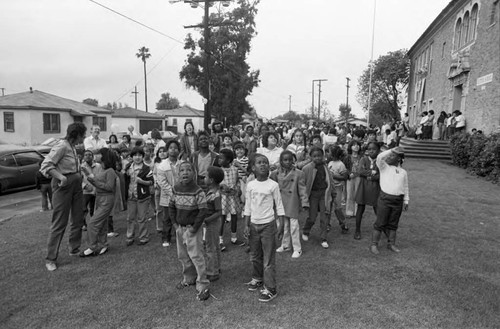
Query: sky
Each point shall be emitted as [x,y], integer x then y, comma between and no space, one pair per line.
[78,49]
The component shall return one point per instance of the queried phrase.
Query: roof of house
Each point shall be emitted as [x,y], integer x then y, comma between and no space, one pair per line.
[39,100]
[184,111]
[128,112]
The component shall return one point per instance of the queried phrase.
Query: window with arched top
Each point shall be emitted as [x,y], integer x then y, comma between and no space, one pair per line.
[465,29]
[473,23]
[458,34]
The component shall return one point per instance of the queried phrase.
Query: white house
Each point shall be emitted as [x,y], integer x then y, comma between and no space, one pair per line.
[31,117]
[142,121]
[176,118]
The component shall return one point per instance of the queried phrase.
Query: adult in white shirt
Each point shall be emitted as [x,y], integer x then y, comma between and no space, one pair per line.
[94,143]
[460,121]
[393,199]
[131,131]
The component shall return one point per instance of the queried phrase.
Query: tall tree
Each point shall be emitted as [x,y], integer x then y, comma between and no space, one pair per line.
[390,76]
[144,54]
[231,79]
[167,102]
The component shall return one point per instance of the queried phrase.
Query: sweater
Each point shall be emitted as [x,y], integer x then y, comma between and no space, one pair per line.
[188,205]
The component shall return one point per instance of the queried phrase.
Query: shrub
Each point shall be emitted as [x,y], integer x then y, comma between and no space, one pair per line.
[478,153]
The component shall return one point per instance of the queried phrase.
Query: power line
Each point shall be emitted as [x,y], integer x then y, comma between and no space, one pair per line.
[137,22]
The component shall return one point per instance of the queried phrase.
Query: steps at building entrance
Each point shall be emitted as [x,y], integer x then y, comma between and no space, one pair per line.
[426,149]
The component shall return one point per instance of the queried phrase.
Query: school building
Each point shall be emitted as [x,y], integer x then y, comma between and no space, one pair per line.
[455,65]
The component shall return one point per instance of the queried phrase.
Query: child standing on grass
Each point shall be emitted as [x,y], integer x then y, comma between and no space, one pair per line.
[292,185]
[393,199]
[105,184]
[319,186]
[352,165]
[188,207]
[339,176]
[241,162]
[138,180]
[230,191]
[167,171]
[369,189]
[263,197]
[213,221]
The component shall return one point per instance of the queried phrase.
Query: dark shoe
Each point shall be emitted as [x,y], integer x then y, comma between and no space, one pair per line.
[254,284]
[129,242]
[75,252]
[238,243]
[344,229]
[203,295]
[142,243]
[182,285]
[392,241]
[213,278]
[267,295]
[357,235]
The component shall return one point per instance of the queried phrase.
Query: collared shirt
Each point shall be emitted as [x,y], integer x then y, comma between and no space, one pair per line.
[133,171]
[94,169]
[94,144]
[63,158]
[393,180]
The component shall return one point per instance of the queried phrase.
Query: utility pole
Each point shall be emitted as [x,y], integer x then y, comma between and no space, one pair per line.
[289,103]
[135,92]
[206,35]
[347,103]
[312,106]
[319,97]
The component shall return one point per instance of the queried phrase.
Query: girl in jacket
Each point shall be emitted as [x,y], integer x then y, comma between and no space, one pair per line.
[298,147]
[294,196]
[369,189]
[188,141]
[319,188]
[352,164]
[167,170]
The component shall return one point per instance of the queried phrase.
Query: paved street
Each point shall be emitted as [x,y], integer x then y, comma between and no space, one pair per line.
[19,203]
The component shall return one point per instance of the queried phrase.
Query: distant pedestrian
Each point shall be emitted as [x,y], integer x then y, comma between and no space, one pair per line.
[63,166]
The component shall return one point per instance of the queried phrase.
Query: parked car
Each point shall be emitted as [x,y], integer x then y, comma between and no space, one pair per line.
[45,147]
[18,166]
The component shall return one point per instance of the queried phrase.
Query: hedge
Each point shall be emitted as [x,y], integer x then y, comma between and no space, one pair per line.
[478,153]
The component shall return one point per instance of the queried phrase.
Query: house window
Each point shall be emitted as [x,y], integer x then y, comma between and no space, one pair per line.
[51,123]
[99,121]
[465,29]
[8,121]
[189,120]
[174,122]
[443,50]
[458,34]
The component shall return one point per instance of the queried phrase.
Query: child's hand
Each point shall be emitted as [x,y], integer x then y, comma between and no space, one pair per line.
[246,232]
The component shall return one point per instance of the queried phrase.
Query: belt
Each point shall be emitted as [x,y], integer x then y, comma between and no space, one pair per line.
[71,173]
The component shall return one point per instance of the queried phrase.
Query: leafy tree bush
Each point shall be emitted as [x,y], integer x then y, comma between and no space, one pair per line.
[479,154]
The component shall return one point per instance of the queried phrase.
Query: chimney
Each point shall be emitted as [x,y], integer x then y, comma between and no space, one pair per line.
[31,90]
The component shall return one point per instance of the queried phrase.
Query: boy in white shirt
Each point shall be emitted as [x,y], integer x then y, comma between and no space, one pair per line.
[393,198]
[262,196]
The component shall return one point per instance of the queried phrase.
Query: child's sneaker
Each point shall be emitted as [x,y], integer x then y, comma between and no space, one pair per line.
[203,295]
[324,244]
[222,246]
[165,244]
[297,254]
[237,242]
[281,249]
[344,228]
[267,295]
[254,284]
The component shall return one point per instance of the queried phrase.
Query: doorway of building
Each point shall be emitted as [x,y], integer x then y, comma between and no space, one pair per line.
[457,98]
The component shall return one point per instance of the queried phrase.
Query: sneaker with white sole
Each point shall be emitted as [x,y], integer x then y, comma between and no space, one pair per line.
[113,234]
[165,244]
[51,266]
[324,244]
[267,295]
[305,237]
[103,251]
[203,295]
[297,254]
[254,284]
[281,249]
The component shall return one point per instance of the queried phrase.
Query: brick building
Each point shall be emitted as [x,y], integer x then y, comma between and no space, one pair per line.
[455,65]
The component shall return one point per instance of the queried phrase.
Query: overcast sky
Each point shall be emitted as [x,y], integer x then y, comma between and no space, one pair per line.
[78,49]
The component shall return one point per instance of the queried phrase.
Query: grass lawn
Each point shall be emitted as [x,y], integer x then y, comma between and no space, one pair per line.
[447,275]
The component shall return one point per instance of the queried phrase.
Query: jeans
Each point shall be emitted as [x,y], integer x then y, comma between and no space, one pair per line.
[137,211]
[263,253]
[389,209]
[212,246]
[166,232]
[159,214]
[291,234]
[190,254]
[317,202]
[97,227]
[46,191]
[65,199]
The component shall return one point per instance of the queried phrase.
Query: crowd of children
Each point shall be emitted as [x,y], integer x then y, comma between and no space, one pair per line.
[285,181]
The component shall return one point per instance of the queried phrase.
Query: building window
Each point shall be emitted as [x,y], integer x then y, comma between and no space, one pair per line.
[174,122]
[189,120]
[443,50]
[99,121]
[8,121]
[51,123]
[493,14]
[458,34]
[465,29]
